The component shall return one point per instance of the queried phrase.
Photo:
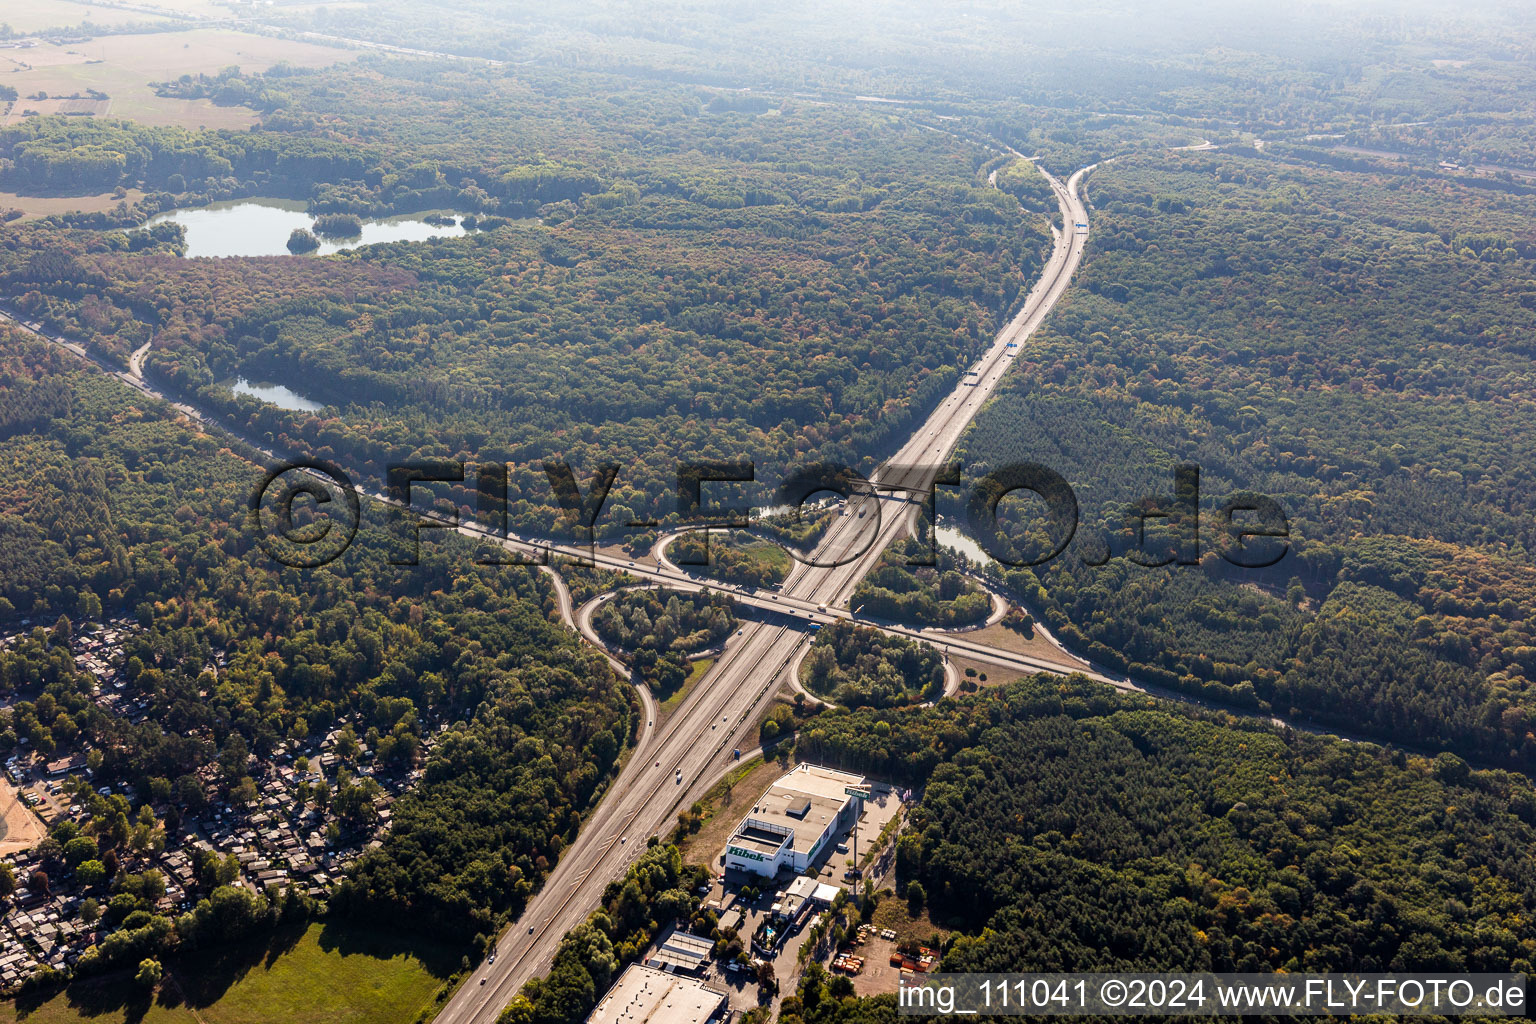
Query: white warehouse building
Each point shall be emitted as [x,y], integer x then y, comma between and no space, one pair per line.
[794,822]
[644,995]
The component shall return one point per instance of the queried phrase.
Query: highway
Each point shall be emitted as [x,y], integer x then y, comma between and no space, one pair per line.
[682,759]
[873,521]
[677,762]
[673,764]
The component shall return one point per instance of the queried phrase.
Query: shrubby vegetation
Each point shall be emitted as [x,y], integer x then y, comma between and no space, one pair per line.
[230,88]
[826,998]
[733,557]
[1022,180]
[338,225]
[800,532]
[938,595]
[301,241]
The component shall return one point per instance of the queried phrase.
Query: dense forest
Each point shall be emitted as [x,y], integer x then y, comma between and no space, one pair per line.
[1064,827]
[53,155]
[1070,83]
[110,507]
[776,297]
[657,630]
[1345,344]
[861,667]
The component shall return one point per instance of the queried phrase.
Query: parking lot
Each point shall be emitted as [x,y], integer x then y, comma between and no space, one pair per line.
[883,805]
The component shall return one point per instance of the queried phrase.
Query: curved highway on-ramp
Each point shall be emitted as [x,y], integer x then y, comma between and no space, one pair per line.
[677,761]
[680,760]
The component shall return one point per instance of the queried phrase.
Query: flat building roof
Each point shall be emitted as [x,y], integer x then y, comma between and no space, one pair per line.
[757,839]
[644,995]
[805,801]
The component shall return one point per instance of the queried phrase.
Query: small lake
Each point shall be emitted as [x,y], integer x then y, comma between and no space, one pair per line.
[260,227]
[950,537]
[277,394]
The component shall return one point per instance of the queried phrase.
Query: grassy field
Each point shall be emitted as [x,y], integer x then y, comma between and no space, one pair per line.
[38,15]
[322,974]
[768,554]
[43,206]
[995,676]
[999,635]
[894,914]
[199,8]
[696,670]
[724,806]
[123,66]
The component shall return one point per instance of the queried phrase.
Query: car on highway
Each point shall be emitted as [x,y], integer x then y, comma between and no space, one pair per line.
[679,776]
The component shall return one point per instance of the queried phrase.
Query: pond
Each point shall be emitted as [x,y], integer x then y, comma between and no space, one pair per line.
[950,537]
[277,394]
[260,227]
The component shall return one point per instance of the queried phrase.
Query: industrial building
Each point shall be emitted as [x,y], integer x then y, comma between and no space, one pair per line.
[807,892]
[680,951]
[792,907]
[793,823]
[644,995]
